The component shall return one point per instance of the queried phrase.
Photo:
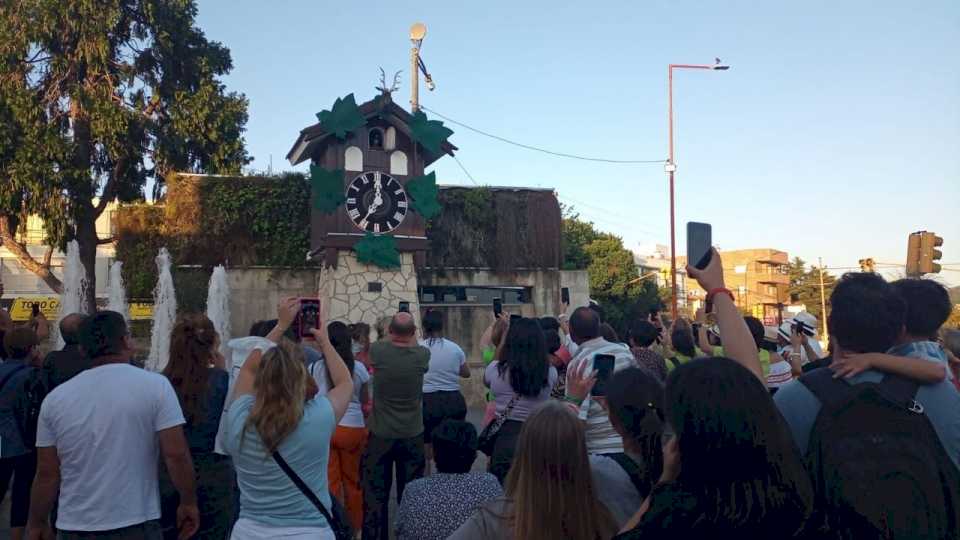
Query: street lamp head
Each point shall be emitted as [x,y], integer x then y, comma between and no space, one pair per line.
[418,31]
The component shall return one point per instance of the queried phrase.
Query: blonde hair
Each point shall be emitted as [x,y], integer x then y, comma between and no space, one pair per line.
[279,389]
[550,484]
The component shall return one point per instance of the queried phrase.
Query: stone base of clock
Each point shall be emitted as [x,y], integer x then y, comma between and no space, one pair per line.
[351,289]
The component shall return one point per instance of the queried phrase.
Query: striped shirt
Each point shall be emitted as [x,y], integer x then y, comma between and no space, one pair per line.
[601,437]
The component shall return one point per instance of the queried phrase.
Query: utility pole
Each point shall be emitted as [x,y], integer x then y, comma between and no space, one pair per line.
[417,32]
[823,304]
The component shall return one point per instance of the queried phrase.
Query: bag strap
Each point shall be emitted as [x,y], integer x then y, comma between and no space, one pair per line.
[900,390]
[630,467]
[827,389]
[675,361]
[302,486]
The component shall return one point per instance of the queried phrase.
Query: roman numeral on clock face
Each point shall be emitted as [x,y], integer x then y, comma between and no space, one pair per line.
[401,204]
[398,216]
[376,227]
[351,200]
[354,213]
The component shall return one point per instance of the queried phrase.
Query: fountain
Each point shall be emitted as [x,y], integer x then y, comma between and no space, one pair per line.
[116,295]
[218,308]
[74,286]
[164,314]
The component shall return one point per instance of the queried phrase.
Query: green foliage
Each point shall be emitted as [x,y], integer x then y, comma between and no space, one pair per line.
[378,250]
[216,220]
[327,188]
[423,190]
[611,270]
[804,286]
[431,134]
[98,98]
[342,118]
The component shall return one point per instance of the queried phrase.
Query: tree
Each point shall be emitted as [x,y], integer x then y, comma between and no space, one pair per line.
[96,98]
[611,269]
[805,286]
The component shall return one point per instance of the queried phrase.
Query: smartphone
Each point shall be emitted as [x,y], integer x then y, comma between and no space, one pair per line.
[603,364]
[309,317]
[565,295]
[514,318]
[497,307]
[404,307]
[699,243]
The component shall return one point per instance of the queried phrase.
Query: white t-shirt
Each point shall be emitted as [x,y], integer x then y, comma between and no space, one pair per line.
[104,425]
[354,415]
[446,357]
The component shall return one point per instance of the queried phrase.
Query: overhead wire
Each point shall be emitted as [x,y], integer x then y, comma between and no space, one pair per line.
[543,150]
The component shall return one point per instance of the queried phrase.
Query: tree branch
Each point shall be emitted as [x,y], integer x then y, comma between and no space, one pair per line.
[42,270]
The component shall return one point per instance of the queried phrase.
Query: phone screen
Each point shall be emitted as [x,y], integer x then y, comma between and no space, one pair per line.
[404,307]
[497,307]
[565,295]
[309,317]
[699,241]
[603,364]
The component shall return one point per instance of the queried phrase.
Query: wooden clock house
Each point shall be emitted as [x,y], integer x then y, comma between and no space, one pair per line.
[377,160]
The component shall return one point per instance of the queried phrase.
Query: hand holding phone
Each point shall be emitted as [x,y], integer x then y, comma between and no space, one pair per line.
[565,296]
[497,307]
[603,365]
[309,318]
[699,244]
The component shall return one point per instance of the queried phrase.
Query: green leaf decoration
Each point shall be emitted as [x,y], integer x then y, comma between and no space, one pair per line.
[343,118]
[431,134]
[423,190]
[327,188]
[378,250]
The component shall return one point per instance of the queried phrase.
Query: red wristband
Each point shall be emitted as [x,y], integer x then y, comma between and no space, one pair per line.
[719,290]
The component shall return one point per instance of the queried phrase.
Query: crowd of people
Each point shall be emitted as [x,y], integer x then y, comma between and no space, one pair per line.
[704,427]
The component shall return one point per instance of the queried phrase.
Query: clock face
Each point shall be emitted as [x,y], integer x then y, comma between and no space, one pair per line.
[376,202]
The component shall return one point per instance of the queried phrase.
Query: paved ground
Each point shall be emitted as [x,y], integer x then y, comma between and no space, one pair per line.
[474,415]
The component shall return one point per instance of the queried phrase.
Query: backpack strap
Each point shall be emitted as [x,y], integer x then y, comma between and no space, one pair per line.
[901,391]
[827,389]
[630,467]
[675,361]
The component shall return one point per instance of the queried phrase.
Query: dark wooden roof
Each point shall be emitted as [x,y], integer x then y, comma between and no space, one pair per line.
[384,108]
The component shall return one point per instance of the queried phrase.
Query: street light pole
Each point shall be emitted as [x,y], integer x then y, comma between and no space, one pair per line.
[671,169]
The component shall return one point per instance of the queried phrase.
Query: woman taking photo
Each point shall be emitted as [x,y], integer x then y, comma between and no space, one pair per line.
[549,491]
[195,370]
[731,468]
[520,380]
[442,399]
[274,417]
[350,437]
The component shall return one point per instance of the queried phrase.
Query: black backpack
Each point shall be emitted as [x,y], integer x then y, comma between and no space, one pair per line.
[878,468]
[34,389]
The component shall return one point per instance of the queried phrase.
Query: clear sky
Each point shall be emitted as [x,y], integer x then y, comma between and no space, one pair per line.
[835,134]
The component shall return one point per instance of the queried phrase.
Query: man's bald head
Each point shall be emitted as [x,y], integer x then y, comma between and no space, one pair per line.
[403,325]
[70,328]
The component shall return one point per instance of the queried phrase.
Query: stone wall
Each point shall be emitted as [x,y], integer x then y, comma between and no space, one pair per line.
[347,288]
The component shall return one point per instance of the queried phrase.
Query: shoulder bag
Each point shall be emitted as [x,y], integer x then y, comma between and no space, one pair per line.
[337,522]
[488,437]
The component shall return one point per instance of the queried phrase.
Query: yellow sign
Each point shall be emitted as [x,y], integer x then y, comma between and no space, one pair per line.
[22,307]
[141,311]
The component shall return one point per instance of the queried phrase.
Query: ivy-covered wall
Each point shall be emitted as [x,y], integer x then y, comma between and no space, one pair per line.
[265,221]
[209,220]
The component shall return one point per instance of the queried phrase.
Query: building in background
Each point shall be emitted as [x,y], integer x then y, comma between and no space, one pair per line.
[19,282]
[758,278]
[654,261]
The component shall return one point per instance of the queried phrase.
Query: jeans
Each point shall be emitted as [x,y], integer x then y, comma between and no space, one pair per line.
[215,499]
[21,469]
[377,476]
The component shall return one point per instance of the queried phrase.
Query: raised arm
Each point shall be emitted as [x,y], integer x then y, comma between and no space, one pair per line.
[702,340]
[341,381]
[738,344]
[287,310]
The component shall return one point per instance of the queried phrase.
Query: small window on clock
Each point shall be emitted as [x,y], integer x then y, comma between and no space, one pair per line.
[376,139]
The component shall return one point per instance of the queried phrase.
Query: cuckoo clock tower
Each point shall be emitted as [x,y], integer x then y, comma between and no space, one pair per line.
[371,201]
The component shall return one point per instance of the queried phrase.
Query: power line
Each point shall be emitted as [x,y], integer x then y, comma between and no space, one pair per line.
[543,150]
[465,171]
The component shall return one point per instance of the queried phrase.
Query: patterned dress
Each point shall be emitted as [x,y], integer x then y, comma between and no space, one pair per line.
[434,507]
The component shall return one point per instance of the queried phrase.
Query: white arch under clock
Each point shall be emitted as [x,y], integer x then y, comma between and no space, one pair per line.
[353,159]
[398,163]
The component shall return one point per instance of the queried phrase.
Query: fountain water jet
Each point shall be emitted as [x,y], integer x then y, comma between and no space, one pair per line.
[116,294]
[164,314]
[218,309]
[74,287]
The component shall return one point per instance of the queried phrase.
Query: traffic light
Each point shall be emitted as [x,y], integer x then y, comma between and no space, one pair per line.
[928,253]
[913,255]
[867,265]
